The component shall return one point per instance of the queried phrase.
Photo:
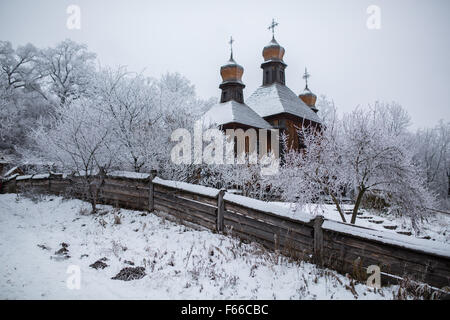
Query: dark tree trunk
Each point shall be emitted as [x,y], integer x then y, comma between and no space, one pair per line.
[338,207]
[357,204]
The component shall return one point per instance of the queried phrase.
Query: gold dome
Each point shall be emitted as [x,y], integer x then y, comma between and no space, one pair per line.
[308,97]
[273,51]
[231,71]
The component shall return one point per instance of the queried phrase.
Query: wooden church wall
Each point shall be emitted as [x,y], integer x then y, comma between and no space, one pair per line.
[290,125]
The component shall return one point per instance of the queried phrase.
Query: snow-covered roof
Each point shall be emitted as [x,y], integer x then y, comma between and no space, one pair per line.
[12,177]
[29,176]
[277,98]
[10,171]
[41,176]
[232,111]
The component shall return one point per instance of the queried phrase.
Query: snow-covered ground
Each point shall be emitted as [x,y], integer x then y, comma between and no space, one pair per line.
[436,227]
[179,262]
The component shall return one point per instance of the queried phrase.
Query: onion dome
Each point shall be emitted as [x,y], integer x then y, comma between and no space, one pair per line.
[308,97]
[231,71]
[273,51]
[232,86]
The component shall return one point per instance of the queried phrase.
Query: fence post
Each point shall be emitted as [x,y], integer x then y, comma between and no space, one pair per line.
[318,239]
[50,177]
[151,196]
[220,210]
[15,185]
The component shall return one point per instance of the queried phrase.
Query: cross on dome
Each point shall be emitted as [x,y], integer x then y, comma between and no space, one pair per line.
[272,26]
[306,76]
[231,47]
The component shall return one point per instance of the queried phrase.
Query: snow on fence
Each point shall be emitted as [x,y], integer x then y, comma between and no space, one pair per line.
[340,246]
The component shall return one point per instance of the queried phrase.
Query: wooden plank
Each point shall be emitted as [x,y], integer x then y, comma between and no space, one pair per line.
[389,246]
[275,239]
[263,235]
[126,182]
[344,263]
[186,194]
[122,197]
[245,236]
[203,207]
[426,262]
[186,211]
[132,186]
[270,218]
[397,265]
[43,183]
[125,192]
[233,207]
[115,201]
[294,252]
[114,186]
[291,234]
[389,250]
[183,216]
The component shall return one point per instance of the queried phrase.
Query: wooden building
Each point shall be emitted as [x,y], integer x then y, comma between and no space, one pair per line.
[272,106]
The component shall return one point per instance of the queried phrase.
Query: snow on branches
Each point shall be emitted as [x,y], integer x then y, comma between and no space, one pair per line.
[365,152]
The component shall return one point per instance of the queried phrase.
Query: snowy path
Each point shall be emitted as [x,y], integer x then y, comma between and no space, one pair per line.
[180,263]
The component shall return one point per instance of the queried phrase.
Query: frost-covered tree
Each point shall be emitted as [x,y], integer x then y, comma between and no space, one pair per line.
[19,67]
[33,81]
[432,153]
[143,113]
[179,108]
[367,152]
[79,142]
[68,69]
[378,159]
[129,105]
[327,109]
[22,101]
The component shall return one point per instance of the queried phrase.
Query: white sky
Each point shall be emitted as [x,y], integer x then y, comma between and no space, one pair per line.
[407,60]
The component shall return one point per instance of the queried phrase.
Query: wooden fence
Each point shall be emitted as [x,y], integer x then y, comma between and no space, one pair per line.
[339,246]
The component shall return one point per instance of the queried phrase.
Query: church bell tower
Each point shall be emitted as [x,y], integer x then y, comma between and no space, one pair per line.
[232,86]
[273,65]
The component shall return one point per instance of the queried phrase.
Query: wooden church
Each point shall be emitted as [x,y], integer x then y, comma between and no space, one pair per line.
[272,106]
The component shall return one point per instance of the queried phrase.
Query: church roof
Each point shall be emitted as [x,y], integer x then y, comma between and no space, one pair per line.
[277,98]
[234,112]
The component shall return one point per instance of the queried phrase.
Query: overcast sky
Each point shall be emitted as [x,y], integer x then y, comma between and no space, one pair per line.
[407,60]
